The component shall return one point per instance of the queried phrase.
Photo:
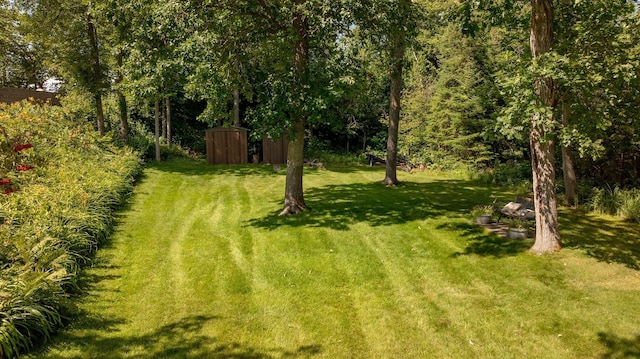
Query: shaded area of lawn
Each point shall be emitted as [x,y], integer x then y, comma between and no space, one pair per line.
[180,339]
[618,347]
[338,206]
[202,168]
[483,243]
[601,237]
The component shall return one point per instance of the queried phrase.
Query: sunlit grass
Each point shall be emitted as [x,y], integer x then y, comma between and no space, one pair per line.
[201,267]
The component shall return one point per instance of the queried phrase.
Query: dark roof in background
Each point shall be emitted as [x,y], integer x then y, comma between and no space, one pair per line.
[11,95]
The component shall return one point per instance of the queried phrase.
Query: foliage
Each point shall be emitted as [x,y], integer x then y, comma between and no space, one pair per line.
[616,201]
[65,186]
[482,210]
[506,174]
[518,223]
[444,112]
[21,60]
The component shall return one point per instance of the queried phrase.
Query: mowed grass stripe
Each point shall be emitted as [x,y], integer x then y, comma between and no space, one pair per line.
[201,267]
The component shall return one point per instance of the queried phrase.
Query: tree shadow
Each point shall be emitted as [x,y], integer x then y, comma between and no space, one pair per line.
[98,337]
[190,167]
[618,347]
[339,206]
[481,243]
[607,240]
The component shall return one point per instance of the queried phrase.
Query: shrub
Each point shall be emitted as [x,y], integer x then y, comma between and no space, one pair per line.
[59,194]
[512,174]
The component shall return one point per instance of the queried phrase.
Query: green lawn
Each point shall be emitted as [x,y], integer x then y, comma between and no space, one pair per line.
[200,267]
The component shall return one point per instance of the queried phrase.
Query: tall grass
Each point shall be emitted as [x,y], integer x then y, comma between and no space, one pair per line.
[54,217]
[616,201]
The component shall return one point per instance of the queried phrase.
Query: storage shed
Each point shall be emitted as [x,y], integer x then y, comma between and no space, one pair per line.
[274,152]
[227,145]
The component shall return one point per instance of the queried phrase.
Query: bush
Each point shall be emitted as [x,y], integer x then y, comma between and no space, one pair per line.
[61,183]
[512,174]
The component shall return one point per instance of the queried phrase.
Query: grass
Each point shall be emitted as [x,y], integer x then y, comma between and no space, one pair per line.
[200,267]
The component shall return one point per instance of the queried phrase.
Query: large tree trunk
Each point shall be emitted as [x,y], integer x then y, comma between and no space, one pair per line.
[397,58]
[167,103]
[97,73]
[122,102]
[157,129]
[568,170]
[542,143]
[293,194]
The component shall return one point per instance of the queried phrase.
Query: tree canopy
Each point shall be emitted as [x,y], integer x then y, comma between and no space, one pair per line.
[440,83]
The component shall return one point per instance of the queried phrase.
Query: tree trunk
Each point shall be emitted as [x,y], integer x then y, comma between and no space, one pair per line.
[99,113]
[163,122]
[122,103]
[399,45]
[157,129]
[167,102]
[97,73]
[542,144]
[364,141]
[568,170]
[236,107]
[293,194]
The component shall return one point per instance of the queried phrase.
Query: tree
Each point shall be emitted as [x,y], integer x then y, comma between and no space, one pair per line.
[447,98]
[21,60]
[595,74]
[154,60]
[398,35]
[390,25]
[96,86]
[294,194]
[542,133]
[67,32]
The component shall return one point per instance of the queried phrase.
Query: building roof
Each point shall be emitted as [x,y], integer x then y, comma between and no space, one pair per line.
[11,95]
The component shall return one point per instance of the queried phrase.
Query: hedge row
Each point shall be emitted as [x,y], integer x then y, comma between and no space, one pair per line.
[60,184]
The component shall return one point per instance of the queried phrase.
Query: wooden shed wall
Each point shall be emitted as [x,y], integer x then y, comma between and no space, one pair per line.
[274,152]
[11,95]
[227,146]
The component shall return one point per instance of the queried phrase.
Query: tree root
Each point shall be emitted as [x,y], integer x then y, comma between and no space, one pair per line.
[292,209]
[389,182]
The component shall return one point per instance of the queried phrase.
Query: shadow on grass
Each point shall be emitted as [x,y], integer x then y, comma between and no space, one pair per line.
[98,337]
[618,347]
[608,240]
[202,168]
[481,243]
[340,206]
[190,167]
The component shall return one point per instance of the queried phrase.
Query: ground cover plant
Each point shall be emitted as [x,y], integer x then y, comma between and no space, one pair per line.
[200,266]
[61,184]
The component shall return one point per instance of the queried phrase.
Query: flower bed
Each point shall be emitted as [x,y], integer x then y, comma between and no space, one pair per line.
[60,185]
